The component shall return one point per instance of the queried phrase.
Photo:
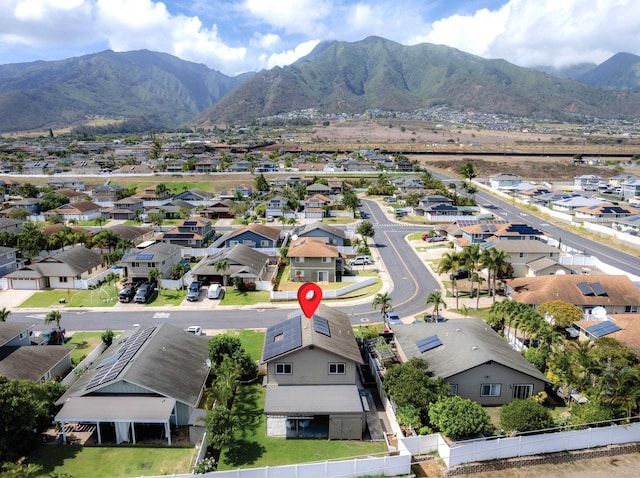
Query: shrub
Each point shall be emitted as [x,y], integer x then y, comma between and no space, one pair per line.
[458,417]
[523,416]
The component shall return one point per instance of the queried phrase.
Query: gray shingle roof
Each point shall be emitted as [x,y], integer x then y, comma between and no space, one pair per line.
[71,262]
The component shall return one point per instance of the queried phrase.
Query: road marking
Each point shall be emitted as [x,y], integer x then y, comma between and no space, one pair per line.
[161,315]
[37,316]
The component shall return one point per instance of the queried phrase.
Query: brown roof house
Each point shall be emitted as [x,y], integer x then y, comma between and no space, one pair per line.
[149,380]
[615,293]
[78,210]
[313,260]
[311,377]
[22,360]
[476,362]
[75,268]
[253,235]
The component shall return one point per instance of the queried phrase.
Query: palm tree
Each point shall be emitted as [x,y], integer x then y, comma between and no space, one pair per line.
[55,316]
[222,266]
[470,257]
[4,314]
[383,301]
[495,260]
[435,298]
[99,221]
[153,275]
[449,263]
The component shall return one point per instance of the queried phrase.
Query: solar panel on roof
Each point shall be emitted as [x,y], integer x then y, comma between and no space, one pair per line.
[282,338]
[429,343]
[144,257]
[321,325]
[603,328]
[598,289]
[584,288]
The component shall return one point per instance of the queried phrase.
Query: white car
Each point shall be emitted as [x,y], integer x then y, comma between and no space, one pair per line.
[194,329]
[360,261]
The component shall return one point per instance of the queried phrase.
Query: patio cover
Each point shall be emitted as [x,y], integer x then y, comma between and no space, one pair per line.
[120,409]
[312,399]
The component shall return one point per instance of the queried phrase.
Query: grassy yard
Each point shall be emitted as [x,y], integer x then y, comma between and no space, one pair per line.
[338,220]
[84,343]
[252,341]
[254,449]
[417,236]
[236,297]
[105,296]
[112,461]
[164,297]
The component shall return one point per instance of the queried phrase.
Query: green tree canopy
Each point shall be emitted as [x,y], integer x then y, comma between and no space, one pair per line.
[365,229]
[225,345]
[458,417]
[563,313]
[524,416]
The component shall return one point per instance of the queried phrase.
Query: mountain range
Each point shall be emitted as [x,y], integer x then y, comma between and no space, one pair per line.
[336,77]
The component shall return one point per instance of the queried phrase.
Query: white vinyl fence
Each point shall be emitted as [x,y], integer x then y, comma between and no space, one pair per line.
[361,283]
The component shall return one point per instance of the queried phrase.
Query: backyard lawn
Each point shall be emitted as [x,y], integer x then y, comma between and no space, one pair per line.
[84,343]
[339,220]
[112,461]
[254,449]
[104,296]
[252,341]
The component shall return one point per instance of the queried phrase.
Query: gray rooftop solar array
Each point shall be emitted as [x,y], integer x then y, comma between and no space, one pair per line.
[603,328]
[321,325]
[144,257]
[584,288]
[429,343]
[598,289]
[282,338]
[110,368]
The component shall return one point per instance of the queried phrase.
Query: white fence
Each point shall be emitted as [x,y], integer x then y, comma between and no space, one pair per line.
[328,294]
[525,445]
[83,365]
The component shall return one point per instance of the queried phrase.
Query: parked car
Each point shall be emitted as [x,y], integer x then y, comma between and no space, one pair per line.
[194,329]
[144,293]
[215,291]
[51,337]
[194,291]
[360,261]
[459,274]
[435,238]
[127,293]
[392,318]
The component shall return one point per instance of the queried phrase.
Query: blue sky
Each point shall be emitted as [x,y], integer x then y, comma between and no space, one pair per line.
[248,35]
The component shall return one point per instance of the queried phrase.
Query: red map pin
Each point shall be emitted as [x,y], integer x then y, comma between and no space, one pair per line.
[309,297]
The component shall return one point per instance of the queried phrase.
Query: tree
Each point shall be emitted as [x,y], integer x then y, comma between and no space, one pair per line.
[178,270]
[107,337]
[261,183]
[562,314]
[31,240]
[383,301]
[365,229]
[156,149]
[224,345]
[221,424]
[162,190]
[524,416]
[350,200]
[449,263]
[435,298]
[55,316]
[221,267]
[4,314]
[470,257]
[495,260]
[156,218]
[99,221]
[52,200]
[468,171]
[458,417]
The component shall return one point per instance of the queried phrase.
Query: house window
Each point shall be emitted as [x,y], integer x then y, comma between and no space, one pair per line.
[338,368]
[192,242]
[63,279]
[135,264]
[299,259]
[453,389]
[523,254]
[233,243]
[283,368]
[490,390]
[326,260]
[264,243]
[151,265]
[631,309]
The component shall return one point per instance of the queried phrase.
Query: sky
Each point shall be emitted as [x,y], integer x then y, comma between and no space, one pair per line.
[237,36]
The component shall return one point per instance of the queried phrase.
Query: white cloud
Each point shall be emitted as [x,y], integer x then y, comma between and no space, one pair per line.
[292,16]
[270,41]
[289,56]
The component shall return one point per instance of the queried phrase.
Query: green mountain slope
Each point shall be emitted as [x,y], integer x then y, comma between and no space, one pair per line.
[621,72]
[343,77]
[163,89]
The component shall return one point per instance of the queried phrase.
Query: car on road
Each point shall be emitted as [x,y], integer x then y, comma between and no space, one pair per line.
[360,261]
[215,291]
[459,274]
[363,215]
[194,329]
[144,293]
[392,318]
[194,291]
[127,293]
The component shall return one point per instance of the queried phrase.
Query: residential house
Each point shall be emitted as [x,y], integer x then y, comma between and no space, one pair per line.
[434,200]
[276,206]
[67,183]
[78,211]
[324,232]
[194,195]
[133,169]
[504,181]
[604,213]
[531,258]
[313,260]
[318,189]
[105,193]
[9,225]
[615,293]
[126,208]
[253,235]
[219,209]
[206,165]
[472,358]
[8,260]
[619,179]
[266,166]
[442,212]
[409,183]
[132,233]
[22,360]
[337,185]
[626,330]
[629,224]
[315,207]
[570,204]
[30,204]
[150,193]
[70,269]
[586,180]
[630,188]
[161,256]
[72,194]
[404,165]
[312,377]
[243,264]
[193,232]
[174,209]
[151,379]
[480,232]
[239,166]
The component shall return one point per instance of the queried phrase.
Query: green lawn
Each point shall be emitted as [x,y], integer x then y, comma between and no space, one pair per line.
[105,296]
[254,449]
[339,220]
[84,343]
[252,341]
[167,297]
[112,461]
[236,297]
[417,236]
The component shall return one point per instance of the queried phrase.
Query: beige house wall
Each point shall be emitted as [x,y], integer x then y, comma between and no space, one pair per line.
[311,367]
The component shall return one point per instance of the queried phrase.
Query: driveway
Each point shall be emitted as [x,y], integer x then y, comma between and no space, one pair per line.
[11,299]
